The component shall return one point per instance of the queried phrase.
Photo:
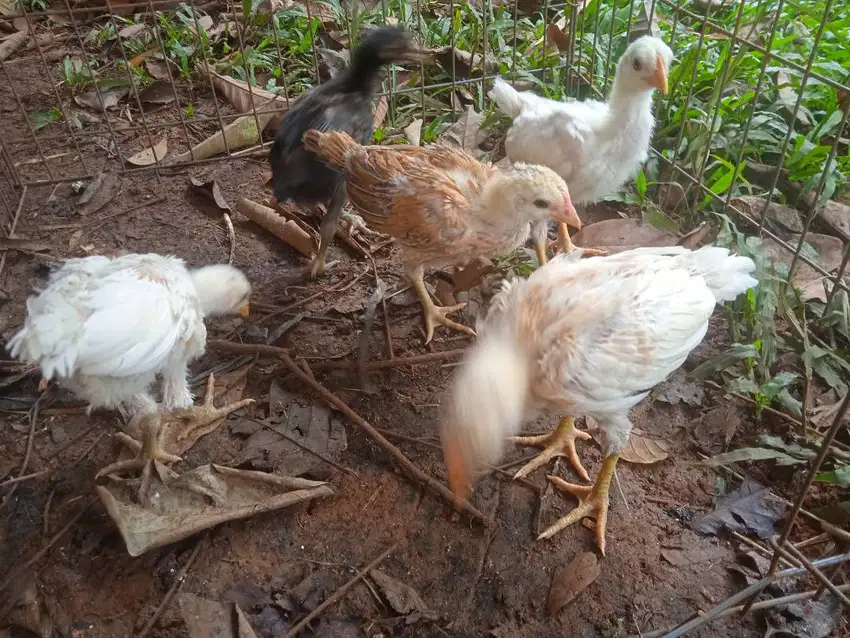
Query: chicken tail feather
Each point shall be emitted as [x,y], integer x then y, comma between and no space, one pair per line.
[333,146]
[506,97]
[726,275]
[488,403]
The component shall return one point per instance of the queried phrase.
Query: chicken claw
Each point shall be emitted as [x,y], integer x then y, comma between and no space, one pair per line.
[198,416]
[593,501]
[566,244]
[148,451]
[561,442]
[435,314]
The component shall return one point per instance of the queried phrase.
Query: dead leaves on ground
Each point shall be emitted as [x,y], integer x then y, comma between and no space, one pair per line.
[642,449]
[568,581]
[618,235]
[751,509]
[210,619]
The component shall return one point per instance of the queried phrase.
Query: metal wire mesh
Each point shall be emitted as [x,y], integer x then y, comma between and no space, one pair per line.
[710,131]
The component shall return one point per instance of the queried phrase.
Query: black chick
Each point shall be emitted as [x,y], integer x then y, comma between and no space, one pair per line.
[342,104]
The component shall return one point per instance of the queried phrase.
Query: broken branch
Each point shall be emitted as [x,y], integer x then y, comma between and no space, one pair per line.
[284,229]
[338,404]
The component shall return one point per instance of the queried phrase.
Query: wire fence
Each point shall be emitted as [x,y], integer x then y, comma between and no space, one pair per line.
[758,104]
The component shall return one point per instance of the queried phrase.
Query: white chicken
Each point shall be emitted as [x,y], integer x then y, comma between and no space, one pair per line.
[595,146]
[582,337]
[105,328]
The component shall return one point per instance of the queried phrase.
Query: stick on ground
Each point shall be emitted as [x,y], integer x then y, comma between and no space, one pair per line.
[335,402]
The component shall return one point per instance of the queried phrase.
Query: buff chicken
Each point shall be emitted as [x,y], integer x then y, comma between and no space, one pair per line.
[582,337]
[595,146]
[442,206]
[105,328]
[342,104]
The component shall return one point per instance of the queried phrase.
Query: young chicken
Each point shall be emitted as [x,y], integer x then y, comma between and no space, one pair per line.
[595,146]
[342,104]
[583,337]
[106,327]
[443,206]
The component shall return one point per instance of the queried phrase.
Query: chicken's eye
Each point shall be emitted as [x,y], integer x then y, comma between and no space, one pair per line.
[541,203]
[636,64]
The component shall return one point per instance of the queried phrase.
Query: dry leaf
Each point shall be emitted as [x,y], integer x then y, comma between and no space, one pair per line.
[13,42]
[401,596]
[570,580]
[99,192]
[381,109]
[699,236]
[159,92]
[244,98]
[132,30]
[150,156]
[210,190]
[617,235]
[748,510]
[413,132]
[286,230]
[239,134]
[210,619]
[555,34]
[31,245]
[829,251]
[685,557]
[184,506]
[111,98]
[463,64]
[677,388]
[158,69]
[466,132]
[641,448]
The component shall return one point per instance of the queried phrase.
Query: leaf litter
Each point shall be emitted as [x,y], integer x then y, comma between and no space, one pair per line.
[751,509]
[568,581]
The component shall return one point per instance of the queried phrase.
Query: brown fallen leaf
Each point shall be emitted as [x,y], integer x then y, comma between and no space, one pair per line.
[150,155]
[210,190]
[240,133]
[463,64]
[99,192]
[556,35]
[413,132]
[159,92]
[211,619]
[110,97]
[244,97]
[699,236]
[617,235]
[568,581]
[401,596]
[381,109]
[466,132]
[471,275]
[829,249]
[685,557]
[158,69]
[184,506]
[641,448]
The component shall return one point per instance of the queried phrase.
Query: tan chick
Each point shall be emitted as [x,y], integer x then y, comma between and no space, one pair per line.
[442,206]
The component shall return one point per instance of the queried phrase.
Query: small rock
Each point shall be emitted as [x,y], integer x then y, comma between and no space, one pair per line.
[785,217]
[58,434]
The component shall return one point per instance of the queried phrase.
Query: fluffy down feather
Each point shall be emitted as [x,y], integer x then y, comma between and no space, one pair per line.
[584,337]
[106,327]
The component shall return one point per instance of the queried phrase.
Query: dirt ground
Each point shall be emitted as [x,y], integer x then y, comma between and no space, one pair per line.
[278,566]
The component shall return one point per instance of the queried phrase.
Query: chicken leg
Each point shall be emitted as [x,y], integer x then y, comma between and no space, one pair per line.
[561,442]
[327,229]
[435,314]
[593,501]
[566,244]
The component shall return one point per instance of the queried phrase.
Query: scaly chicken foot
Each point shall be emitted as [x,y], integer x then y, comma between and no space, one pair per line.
[148,451]
[435,314]
[327,229]
[198,416]
[593,502]
[561,442]
[565,244]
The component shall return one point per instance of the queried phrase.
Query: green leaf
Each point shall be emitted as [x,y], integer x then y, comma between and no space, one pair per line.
[742,385]
[40,119]
[724,360]
[778,383]
[838,476]
[640,184]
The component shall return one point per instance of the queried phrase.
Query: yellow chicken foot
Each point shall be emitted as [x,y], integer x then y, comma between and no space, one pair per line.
[199,416]
[561,442]
[148,451]
[593,501]
[436,314]
[540,249]
[566,244]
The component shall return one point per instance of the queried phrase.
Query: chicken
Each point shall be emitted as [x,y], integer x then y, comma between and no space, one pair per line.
[595,146]
[342,104]
[442,206]
[582,337]
[105,328]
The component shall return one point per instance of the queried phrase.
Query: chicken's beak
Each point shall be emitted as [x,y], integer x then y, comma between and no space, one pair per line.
[245,310]
[568,216]
[659,78]
[456,468]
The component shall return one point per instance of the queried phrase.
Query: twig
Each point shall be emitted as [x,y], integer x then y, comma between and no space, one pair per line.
[20,479]
[764,604]
[88,450]
[11,233]
[28,453]
[342,468]
[487,543]
[761,550]
[172,591]
[91,222]
[41,553]
[418,359]
[231,233]
[818,574]
[338,404]
[45,516]
[339,593]
[71,443]
[343,286]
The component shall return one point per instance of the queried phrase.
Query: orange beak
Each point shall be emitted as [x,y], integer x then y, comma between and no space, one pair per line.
[569,215]
[659,78]
[456,467]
